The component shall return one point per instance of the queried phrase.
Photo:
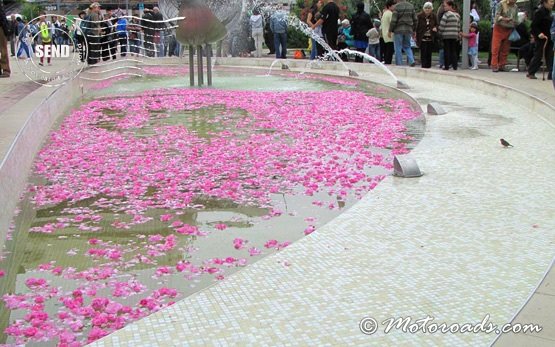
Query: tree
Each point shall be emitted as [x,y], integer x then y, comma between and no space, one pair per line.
[30,10]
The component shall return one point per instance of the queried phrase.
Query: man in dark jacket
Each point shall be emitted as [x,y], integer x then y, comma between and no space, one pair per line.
[330,15]
[360,24]
[148,30]
[13,34]
[4,32]
[278,25]
[269,36]
[159,33]
[541,23]
[403,24]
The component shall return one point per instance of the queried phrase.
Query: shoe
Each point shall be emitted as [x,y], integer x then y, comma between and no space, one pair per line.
[532,77]
[412,65]
[49,64]
[446,68]
[495,69]
[474,68]
[41,64]
[4,75]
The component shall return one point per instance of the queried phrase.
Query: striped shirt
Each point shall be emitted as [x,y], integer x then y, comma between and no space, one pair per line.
[450,25]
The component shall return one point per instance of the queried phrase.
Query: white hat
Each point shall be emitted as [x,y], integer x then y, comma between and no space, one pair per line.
[345,22]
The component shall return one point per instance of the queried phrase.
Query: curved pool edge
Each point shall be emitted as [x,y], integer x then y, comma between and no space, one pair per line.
[197,330]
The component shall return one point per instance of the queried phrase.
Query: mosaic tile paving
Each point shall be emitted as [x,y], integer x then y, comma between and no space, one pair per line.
[471,237]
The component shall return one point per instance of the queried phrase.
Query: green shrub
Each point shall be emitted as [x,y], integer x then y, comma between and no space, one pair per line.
[484,28]
[296,38]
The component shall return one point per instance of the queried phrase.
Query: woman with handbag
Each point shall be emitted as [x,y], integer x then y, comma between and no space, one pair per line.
[505,21]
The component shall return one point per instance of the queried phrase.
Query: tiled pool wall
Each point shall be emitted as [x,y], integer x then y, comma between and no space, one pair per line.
[25,127]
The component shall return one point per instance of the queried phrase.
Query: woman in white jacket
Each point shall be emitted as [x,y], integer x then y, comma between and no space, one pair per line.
[257,31]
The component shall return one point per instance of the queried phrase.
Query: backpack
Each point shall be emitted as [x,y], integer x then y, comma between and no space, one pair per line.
[299,54]
[121,27]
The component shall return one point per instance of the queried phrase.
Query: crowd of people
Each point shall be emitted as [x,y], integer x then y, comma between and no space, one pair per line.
[97,36]
[111,32]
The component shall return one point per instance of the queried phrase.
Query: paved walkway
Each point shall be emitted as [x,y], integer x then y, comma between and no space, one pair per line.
[14,89]
[471,237]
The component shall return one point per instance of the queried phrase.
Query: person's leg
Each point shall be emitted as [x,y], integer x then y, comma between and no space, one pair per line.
[505,50]
[536,61]
[490,49]
[313,50]
[408,49]
[549,60]
[93,45]
[319,49]
[277,43]
[454,54]
[496,47]
[398,44]
[358,58]
[388,53]
[123,45]
[255,39]
[372,50]
[423,61]
[475,62]
[448,52]
[426,54]
[284,45]
[114,47]
[331,39]
[259,46]
[553,71]
[20,50]
[26,49]
[12,45]
[442,57]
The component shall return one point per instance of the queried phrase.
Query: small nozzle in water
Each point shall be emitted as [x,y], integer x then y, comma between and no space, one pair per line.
[284,67]
[353,73]
[402,85]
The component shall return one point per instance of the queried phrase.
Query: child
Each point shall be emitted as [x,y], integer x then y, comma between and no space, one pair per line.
[374,40]
[472,45]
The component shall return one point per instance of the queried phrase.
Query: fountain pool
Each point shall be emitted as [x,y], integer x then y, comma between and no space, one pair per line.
[147,192]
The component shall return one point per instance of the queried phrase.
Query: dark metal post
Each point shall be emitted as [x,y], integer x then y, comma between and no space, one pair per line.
[199,66]
[209,63]
[191,65]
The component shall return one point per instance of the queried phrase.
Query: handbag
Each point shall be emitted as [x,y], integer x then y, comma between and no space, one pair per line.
[515,36]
